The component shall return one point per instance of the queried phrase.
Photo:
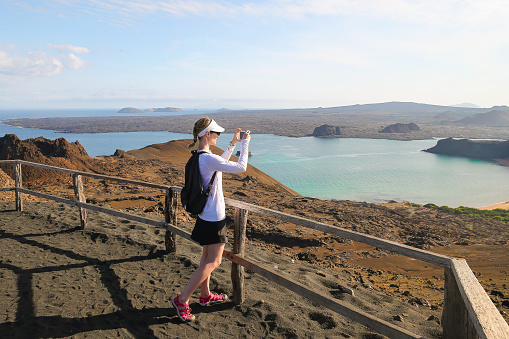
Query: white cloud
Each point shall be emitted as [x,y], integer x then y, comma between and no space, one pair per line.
[68,48]
[71,61]
[37,64]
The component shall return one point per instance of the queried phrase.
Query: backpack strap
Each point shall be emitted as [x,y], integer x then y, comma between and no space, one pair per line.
[210,184]
[213,175]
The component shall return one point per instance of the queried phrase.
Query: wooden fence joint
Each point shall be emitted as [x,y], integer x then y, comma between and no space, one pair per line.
[80,196]
[18,184]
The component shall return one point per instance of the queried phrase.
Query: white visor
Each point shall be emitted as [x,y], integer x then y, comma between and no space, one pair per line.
[213,127]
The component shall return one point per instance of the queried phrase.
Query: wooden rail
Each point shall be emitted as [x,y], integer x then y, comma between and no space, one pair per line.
[468,310]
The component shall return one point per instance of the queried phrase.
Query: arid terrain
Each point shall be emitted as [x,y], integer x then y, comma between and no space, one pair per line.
[358,121]
[482,242]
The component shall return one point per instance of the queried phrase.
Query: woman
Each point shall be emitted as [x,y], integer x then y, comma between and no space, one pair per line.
[210,228]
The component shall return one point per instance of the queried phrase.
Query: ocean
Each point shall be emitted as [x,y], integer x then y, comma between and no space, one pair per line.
[371,170]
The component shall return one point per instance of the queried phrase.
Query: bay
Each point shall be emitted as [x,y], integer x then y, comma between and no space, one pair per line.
[371,170]
[377,170]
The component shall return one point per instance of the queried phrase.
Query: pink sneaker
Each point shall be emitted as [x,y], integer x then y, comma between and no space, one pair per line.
[183,310]
[213,298]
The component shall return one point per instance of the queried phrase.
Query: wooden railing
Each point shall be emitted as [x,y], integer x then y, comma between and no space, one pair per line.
[468,310]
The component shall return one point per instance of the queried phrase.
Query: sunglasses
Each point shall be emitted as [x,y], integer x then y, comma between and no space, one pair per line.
[218,133]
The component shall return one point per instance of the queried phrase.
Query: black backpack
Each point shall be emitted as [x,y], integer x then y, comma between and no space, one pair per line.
[193,197]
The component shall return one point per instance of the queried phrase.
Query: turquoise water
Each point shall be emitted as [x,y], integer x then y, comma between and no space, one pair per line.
[375,170]
[371,170]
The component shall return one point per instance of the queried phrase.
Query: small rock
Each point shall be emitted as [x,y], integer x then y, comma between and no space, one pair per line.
[419,301]
[308,256]
[320,273]
[497,293]
[399,318]
[434,318]
[259,303]
[347,290]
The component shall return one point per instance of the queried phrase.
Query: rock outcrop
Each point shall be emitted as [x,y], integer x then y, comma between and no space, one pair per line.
[400,128]
[484,150]
[59,152]
[326,131]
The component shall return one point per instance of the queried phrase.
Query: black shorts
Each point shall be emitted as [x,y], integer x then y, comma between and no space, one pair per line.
[210,232]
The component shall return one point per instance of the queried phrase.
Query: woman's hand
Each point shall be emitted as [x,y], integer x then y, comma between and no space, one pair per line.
[247,135]
[236,136]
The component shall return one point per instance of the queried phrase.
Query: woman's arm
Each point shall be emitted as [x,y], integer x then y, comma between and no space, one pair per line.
[218,163]
[229,151]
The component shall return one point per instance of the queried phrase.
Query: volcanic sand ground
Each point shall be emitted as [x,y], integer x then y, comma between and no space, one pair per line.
[61,281]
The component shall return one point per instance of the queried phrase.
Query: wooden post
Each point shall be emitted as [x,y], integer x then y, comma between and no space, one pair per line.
[18,183]
[454,315]
[239,242]
[469,312]
[170,215]
[80,196]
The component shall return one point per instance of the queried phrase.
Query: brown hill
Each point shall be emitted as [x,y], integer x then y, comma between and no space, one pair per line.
[495,117]
[177,152]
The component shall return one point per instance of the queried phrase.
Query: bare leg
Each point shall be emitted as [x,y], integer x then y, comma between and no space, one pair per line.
[210,260]
[204,286]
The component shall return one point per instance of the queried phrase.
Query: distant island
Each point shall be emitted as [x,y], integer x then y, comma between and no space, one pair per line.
[130,110]
[164,109]
[136,110]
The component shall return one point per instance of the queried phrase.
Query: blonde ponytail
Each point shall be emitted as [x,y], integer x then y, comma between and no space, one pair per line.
[199,126]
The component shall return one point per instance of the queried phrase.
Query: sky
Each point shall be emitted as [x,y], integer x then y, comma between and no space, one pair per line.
[252,54]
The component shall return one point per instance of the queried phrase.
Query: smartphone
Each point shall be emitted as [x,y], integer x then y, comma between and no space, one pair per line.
[242,135]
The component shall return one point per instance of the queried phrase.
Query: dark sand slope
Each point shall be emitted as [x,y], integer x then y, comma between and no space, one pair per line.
[60,281]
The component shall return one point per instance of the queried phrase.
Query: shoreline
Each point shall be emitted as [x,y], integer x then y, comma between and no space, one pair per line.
[503,205]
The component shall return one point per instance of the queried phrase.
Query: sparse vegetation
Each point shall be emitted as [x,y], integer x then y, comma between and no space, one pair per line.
[497,214]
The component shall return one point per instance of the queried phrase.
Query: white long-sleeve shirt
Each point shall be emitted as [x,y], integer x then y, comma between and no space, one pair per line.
[209,163]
